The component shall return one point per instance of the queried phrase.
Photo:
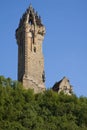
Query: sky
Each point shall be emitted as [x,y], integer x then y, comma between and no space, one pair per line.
[65,41]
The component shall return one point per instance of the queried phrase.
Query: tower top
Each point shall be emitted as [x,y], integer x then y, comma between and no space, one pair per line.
[31,16]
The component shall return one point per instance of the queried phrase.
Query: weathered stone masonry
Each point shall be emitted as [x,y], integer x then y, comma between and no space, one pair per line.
[30,35]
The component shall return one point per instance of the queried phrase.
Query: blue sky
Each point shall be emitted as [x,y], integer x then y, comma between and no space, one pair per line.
[65,43]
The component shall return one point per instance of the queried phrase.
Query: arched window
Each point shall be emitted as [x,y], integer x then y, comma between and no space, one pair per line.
[31,19]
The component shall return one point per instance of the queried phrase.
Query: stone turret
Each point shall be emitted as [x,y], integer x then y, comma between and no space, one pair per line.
[30,35]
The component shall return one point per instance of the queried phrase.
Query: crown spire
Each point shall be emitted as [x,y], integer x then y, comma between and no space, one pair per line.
[30,6]
[31,16]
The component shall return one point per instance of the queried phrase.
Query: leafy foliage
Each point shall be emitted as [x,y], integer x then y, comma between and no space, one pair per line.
[23,110]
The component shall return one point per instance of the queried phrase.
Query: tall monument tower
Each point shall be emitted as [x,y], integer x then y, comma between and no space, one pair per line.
[30,35]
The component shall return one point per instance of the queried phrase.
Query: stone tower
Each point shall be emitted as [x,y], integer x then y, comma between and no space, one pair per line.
[30,35]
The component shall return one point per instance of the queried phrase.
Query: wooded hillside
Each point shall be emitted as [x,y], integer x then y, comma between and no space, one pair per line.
[23,110]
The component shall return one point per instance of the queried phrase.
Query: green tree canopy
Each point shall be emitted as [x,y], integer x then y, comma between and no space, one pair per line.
[21,109]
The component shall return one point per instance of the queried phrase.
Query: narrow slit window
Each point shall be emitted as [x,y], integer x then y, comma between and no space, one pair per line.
[34,49]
